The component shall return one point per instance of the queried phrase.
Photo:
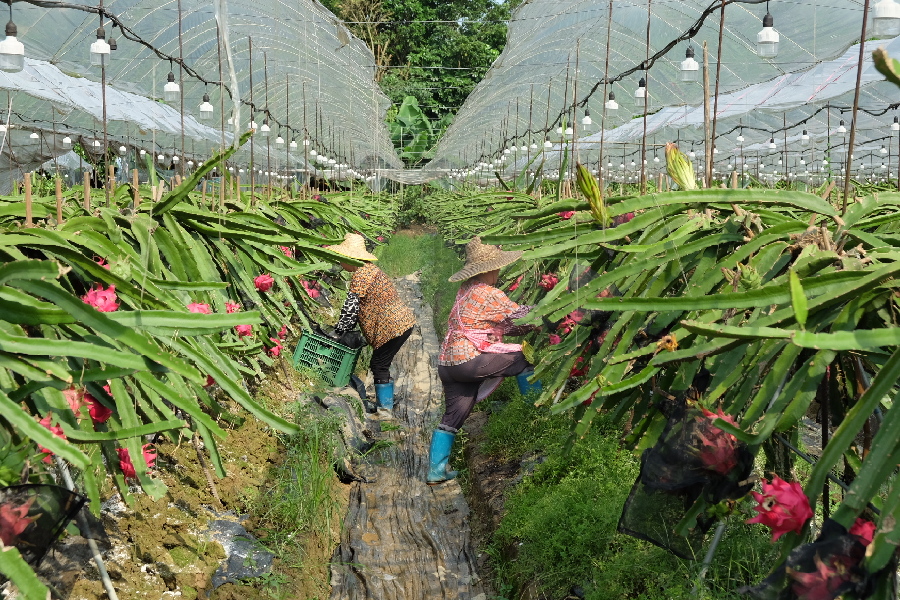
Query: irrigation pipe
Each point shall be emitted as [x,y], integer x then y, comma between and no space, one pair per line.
[86,531]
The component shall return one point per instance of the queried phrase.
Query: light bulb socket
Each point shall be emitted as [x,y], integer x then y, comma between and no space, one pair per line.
[768,21]
[171,77]
[113,45]
[11,29]
[689,53]
[101,33]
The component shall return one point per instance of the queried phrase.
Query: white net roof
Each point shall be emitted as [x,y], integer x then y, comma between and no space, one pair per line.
[310,76]
[532,86]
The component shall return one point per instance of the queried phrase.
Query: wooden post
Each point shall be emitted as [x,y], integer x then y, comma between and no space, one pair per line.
[87,192]
[222,192]
[734,180]
[237,188]
[135,185]
[177,181]
[707,134]
[29,220]
[203,194]
[659,183]
[59,201]
[111,179]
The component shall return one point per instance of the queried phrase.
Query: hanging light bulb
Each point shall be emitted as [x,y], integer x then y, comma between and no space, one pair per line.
[771,144]
[740,138]
[569,131]
[611,104]
[506,151]
[804,138]
[895,126]
[641,92]
[534,146]
[253,126]
[34,135]
[123,150]
[97,144]
[279,141]
[841,128]
[99,49]
[265,129]
[312,152]
[206,109]
[66,142]
[293,145]
[690,69]
[524,148]
[143,152]
[171,91]
[886,19]
[883,149]
[175,159]
[767,39]
[587,120]
[190,164]
[692,154]
[12,51]
[656,159]
[161,157]
[548,144]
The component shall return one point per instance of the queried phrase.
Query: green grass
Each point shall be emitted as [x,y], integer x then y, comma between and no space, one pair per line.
[405,254]
[559,530]
[299,499]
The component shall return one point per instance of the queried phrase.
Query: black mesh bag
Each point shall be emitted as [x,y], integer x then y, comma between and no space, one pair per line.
[33,516]
[692,460]
[825,569]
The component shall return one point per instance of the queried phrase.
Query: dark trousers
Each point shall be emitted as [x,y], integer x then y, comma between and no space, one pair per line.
[474,380]
[384,355]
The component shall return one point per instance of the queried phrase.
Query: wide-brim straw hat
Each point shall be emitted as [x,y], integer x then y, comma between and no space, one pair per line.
[481,258]
[353,246]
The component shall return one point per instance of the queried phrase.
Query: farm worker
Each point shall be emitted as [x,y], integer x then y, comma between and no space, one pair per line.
[385,321]
[474,359]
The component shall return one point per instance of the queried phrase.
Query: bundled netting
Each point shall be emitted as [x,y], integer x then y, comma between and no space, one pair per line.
[32,517]
[829,567]
[692,461]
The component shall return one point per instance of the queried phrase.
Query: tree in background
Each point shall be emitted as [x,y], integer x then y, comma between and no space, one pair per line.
[434,51]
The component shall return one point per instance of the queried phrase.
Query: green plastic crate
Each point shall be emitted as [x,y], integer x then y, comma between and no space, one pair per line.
[333,361]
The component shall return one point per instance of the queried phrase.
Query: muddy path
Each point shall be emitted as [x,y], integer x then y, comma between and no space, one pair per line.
[401,538]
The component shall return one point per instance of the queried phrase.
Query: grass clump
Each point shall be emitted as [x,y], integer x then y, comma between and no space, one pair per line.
[560,526]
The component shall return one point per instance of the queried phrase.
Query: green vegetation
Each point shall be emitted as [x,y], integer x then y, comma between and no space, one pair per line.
[408,253]
[432,52]
[559,530]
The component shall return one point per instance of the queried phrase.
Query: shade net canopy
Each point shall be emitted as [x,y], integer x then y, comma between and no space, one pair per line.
[556,59]
[311,80]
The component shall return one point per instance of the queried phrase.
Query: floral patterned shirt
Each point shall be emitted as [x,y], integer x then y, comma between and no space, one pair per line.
[372,300]
[481,307]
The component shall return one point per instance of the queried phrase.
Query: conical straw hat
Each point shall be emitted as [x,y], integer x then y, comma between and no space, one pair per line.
[481,258]
[353,246]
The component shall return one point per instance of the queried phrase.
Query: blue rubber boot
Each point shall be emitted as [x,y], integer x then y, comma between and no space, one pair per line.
[441,442]
[384,395]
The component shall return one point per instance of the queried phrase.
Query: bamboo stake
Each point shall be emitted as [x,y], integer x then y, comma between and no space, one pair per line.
[29,220]
[59,201]
[87,192]
[707,141]
[734,180]
[177,181]
[222,192]
[111,179]
[237,188]
[135,184]
[203,194]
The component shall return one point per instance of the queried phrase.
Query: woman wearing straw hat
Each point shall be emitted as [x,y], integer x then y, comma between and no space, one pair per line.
[474,359]
[372,301]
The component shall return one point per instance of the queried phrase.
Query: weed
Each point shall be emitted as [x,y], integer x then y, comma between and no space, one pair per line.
[389,426]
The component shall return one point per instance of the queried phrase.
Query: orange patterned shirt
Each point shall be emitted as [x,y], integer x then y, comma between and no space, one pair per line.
[382,315]
[481,307]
